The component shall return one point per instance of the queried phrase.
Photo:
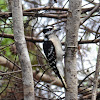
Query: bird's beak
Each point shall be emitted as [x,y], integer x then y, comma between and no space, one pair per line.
[56,29]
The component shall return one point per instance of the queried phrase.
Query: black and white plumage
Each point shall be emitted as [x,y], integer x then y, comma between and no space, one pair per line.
[53,51]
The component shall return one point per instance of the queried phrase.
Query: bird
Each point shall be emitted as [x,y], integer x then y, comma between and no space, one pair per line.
[53,51]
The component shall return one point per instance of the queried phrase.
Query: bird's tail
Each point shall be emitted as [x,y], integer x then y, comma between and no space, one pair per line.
[60,77]
[59,66]
[63,81]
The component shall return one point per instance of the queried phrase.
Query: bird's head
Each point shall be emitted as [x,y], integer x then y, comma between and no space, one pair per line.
[50,30]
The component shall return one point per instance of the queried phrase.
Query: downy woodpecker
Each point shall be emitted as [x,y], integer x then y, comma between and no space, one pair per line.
[53,51]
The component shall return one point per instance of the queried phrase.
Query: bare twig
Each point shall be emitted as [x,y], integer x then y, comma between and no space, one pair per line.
[85,79]
[89,15]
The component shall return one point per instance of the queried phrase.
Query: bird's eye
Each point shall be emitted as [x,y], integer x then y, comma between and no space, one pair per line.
[50,29]
[46,30]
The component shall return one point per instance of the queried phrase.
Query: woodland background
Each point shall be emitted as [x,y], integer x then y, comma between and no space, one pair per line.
[38,14]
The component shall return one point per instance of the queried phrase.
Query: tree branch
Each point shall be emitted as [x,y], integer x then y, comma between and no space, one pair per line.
[34,40]
[9,14]
[92,11]
[37,75]
[36,14]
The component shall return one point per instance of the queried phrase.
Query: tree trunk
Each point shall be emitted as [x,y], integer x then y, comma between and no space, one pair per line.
[94,92]
[22,51]
[72,26]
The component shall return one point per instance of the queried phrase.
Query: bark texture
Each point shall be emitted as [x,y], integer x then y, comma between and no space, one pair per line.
[94,92]
[72,26]
[22,51]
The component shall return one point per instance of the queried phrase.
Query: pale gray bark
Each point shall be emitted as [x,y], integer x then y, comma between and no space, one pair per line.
[94,92]
[27,77]
[72,26]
